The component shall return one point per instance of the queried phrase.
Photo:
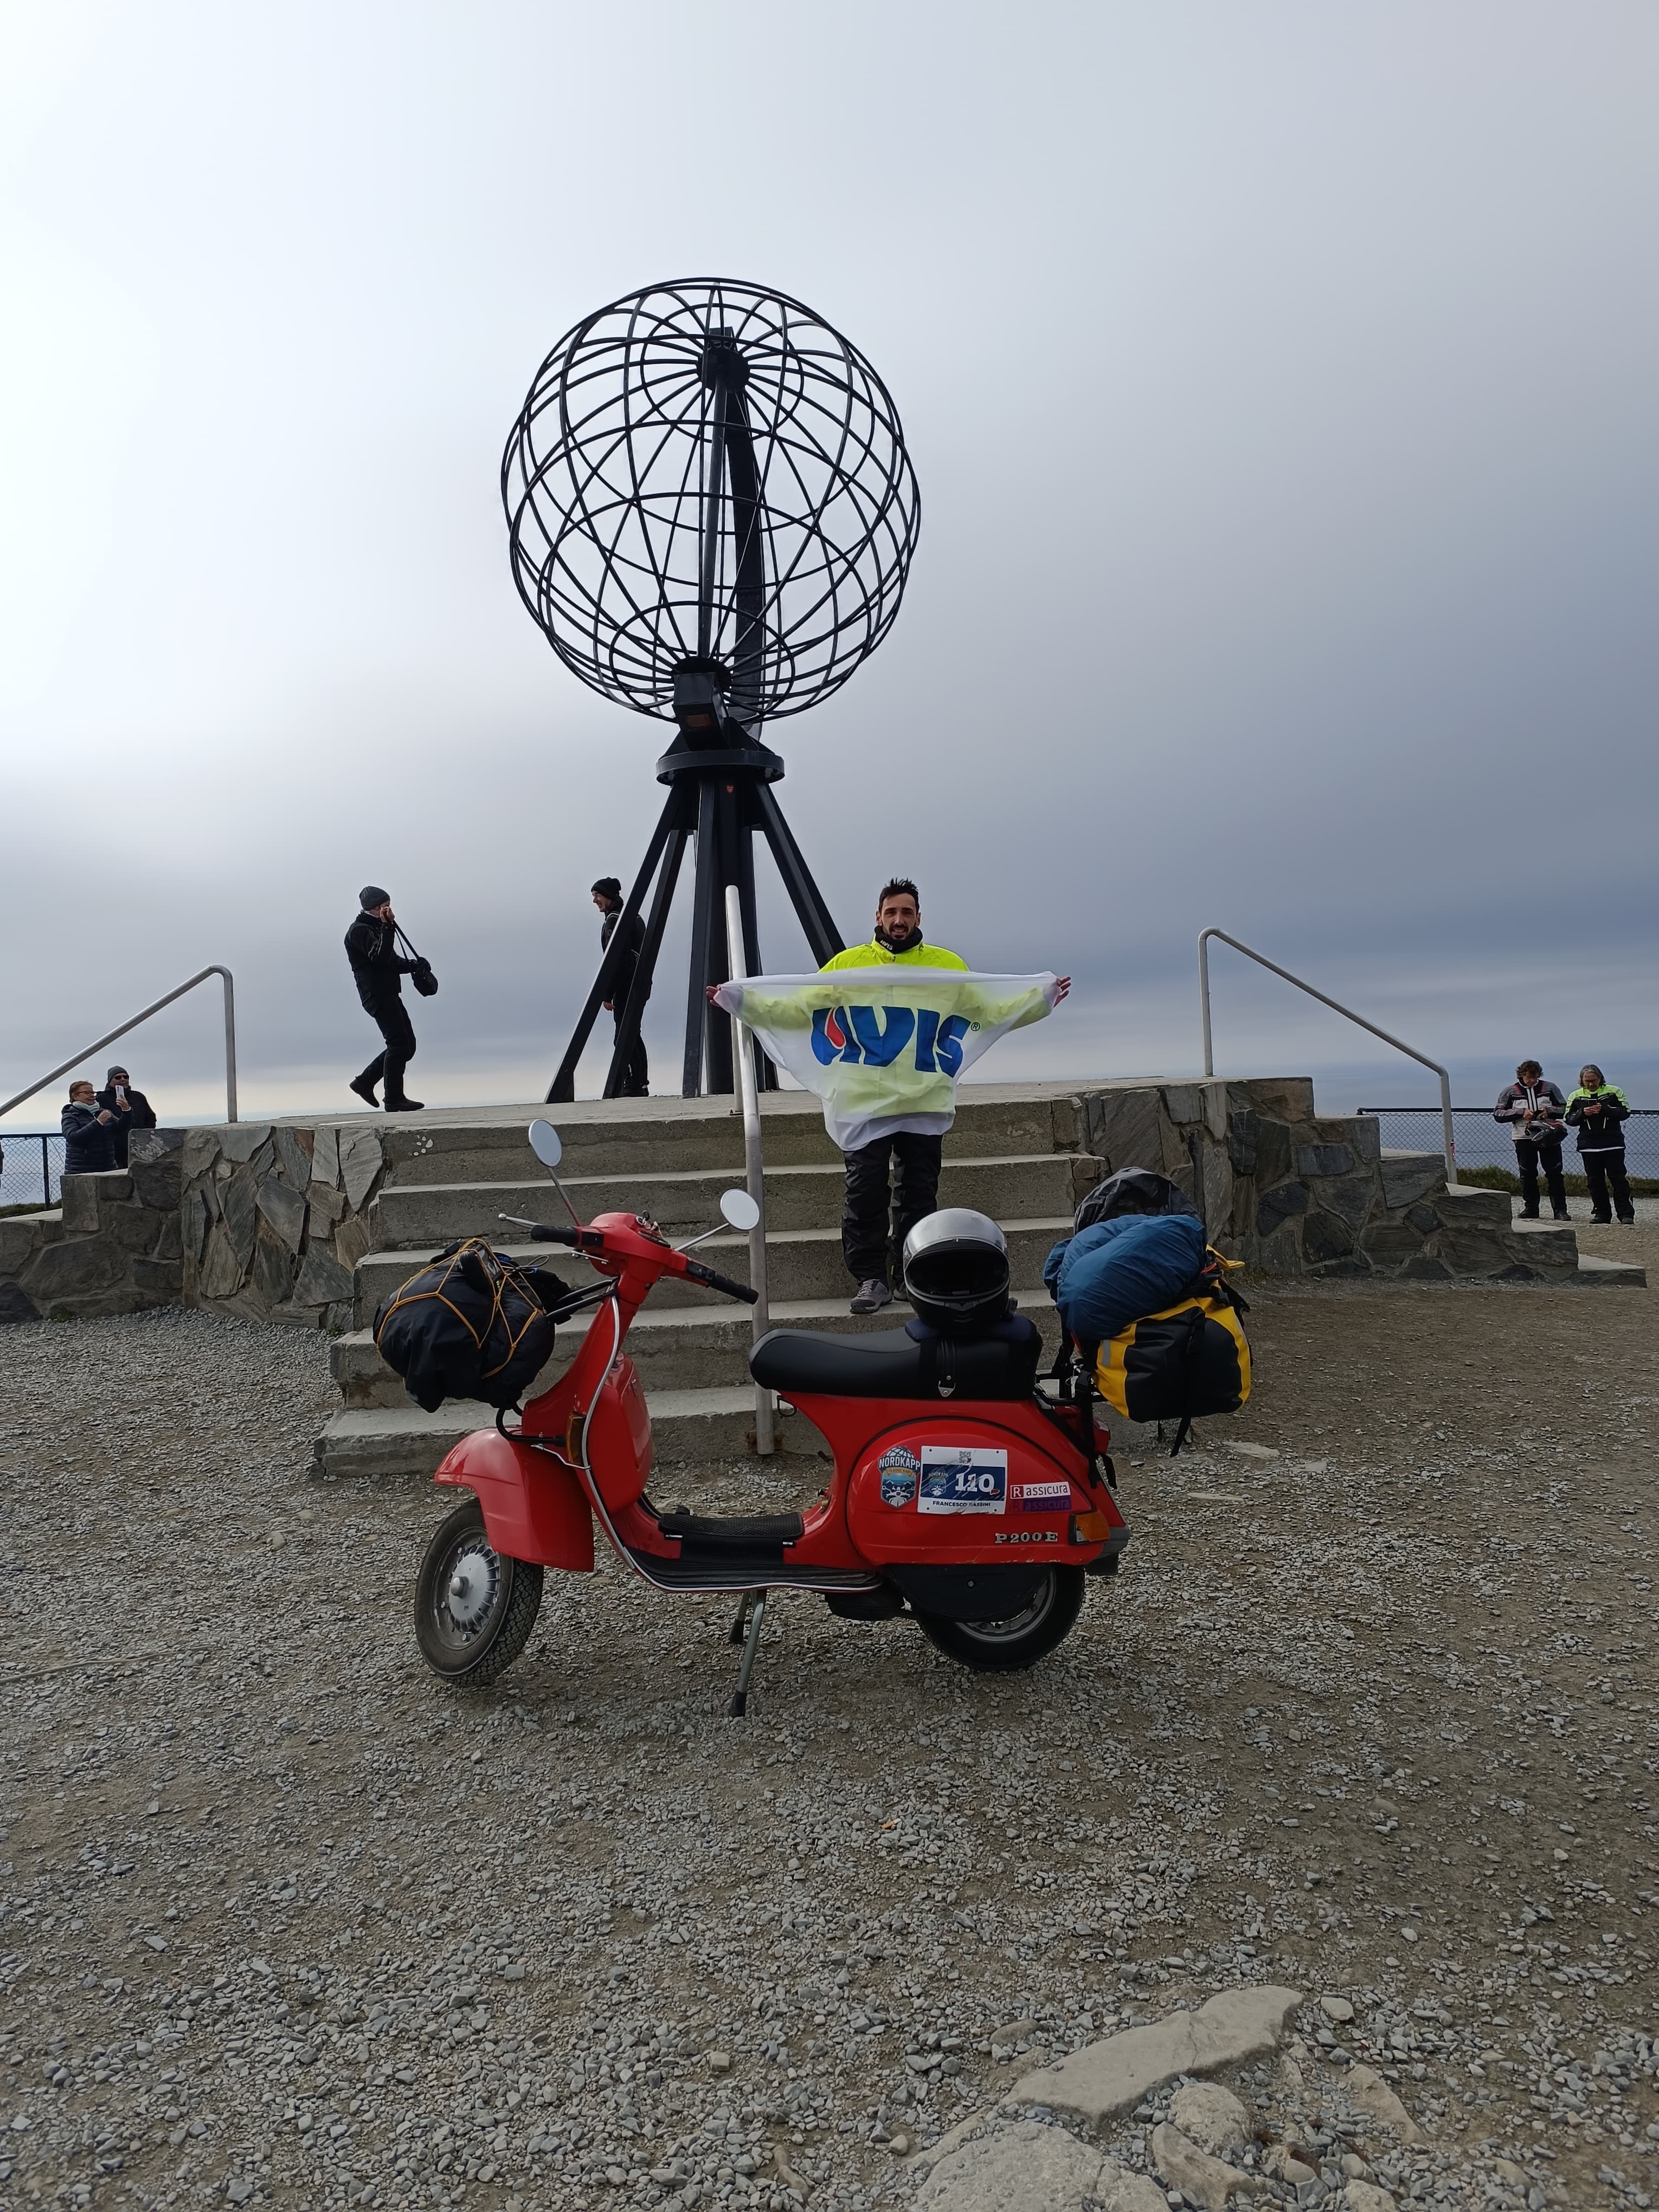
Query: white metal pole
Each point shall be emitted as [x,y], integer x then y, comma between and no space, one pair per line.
[1204,998]
[742,1055]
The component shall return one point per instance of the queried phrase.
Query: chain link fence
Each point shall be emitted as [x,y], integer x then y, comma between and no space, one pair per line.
[31,1170]
[1486,1145]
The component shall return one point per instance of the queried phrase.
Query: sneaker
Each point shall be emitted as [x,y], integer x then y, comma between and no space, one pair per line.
[1562,1215]
[1627,1221]
[363,1088]
[1602,1220]
[1528,1213]
[406,1105]
[871,1298]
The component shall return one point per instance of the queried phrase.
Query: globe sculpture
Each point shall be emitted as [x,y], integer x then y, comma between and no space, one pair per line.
[711,516]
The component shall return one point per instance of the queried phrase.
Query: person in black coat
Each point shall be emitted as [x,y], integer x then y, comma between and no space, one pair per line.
[378,969]
[131,1107]
[607,896]
[88,1133]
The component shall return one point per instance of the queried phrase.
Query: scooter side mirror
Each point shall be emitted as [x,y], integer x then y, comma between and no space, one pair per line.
[738,1210]
[544,1143]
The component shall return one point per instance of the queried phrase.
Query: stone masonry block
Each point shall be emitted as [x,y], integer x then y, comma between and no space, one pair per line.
[239,1200]
[1324,1159]
[147,1145]
[1282,1097]
[325,1157]
[1355,1197]
[1408,1177]
[80,1196]
[1466,1205]
[1278,1204]
[321,1281]
[23,1235]
[1273,1151]
[1390,1244]
[241,1140]
[284,1208]
[360,1164]
[160,1281]
[200,1151]
[1242,1131]
[293,1151]
[1325,1236]
[1125,1129]
[156,1182]
[135,1227]
[16,1304]
[77,1266]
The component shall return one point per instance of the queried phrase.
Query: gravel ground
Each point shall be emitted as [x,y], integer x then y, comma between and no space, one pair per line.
[1370,1710]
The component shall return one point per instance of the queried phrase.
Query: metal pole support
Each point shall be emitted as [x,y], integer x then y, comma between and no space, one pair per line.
[743,1053]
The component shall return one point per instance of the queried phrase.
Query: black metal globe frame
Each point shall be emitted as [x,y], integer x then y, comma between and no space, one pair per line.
[711,516]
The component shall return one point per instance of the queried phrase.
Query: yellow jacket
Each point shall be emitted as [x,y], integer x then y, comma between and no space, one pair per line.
[876,955]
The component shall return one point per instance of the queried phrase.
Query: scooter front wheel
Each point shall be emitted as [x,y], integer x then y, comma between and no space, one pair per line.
[474,1608]
[1002,1646]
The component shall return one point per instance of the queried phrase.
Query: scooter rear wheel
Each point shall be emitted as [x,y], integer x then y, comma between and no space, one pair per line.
[474,1608]
[997,1647]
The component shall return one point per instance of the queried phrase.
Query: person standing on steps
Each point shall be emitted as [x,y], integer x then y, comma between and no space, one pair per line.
[1536,1111]
[378,969]
[1597,1109]
[607,896]
[875,1222]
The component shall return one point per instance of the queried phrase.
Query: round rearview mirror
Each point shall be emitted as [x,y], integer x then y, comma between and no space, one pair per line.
[544,1143]
[738,1210]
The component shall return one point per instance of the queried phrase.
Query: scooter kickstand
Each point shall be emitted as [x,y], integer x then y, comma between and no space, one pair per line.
[740,1625]
[754,1605]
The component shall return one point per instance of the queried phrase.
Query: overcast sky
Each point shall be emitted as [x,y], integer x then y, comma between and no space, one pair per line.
[1279,380]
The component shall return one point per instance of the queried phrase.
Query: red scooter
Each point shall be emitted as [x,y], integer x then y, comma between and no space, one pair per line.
[963,1493]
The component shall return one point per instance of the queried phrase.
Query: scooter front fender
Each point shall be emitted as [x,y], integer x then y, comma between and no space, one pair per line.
[534,1509]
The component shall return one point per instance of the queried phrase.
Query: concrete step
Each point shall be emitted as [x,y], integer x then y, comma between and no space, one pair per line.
[686,1425]
[674,1347]
[683,1135]
[801,1263]
[1034,1186]
[1593,1274]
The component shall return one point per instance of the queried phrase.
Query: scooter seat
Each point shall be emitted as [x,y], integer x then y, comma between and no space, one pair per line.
[892,1362]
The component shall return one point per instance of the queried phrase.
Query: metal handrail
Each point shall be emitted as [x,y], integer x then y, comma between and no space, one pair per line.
[98,1043]
[1336,1006]
[754,1170]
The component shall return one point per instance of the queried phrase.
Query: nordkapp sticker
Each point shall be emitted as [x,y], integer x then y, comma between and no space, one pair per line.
[962,1478]
[899,1469]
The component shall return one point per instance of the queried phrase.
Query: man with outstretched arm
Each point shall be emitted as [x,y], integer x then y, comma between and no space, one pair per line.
[873,1224]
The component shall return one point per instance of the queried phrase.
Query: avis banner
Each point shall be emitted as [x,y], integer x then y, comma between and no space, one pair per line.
[884,1047]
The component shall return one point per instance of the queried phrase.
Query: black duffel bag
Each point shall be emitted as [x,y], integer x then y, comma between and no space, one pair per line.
[420,974]
[470,1324]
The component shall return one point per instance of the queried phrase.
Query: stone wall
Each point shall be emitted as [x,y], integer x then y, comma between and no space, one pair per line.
[273,1219]
[111,1246]
[1294,1192]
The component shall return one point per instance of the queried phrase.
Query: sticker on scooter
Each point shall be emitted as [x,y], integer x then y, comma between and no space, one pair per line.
[900,1471]
[1045,1496]
[962,1478]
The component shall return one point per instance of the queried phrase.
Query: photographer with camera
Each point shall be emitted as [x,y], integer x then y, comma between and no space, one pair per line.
[1536,1111]
[378,967]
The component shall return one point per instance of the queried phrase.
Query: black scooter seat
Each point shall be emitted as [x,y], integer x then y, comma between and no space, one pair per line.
[914,1362]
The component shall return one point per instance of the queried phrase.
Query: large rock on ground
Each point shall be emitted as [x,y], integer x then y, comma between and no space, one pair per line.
[1105,2079]
[1200,2179]
[1213,2117]
[1027,2167]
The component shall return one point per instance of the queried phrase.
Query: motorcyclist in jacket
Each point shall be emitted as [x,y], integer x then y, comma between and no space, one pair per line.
[1535,1110]
[1598,1110]
[378,969]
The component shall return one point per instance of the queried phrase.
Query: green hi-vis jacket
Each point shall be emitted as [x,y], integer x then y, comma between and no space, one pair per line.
[875,954]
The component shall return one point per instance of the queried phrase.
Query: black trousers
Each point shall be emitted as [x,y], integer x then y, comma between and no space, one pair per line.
[399,1032]
[876,1221]
[1603,1170]
[1529,1157]
[636,1072]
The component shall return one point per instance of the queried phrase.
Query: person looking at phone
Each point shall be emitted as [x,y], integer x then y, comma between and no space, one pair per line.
[1536,1113]
[89,1132]
[378,969]
[1597,1109]
[131,1107]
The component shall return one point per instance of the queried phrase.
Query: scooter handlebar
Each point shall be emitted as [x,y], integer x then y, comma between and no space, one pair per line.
[699,1274]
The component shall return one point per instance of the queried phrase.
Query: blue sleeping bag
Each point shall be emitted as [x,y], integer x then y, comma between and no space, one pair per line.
[1113,1273]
